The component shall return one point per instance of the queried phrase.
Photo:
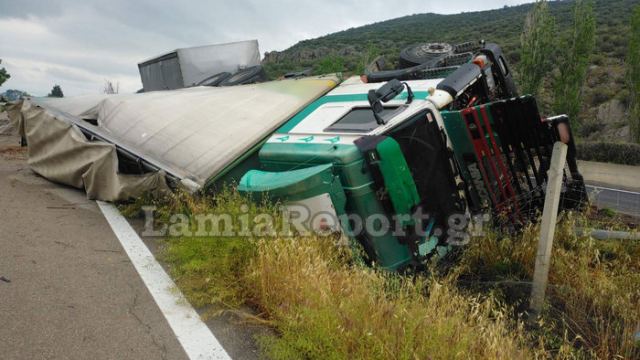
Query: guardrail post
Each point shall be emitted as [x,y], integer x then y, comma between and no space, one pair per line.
[547,227]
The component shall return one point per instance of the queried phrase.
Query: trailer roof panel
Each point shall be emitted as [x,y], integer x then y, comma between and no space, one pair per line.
[197,132]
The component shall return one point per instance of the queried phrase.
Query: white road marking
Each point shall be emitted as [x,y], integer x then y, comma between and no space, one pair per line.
[194,336]
[596,187]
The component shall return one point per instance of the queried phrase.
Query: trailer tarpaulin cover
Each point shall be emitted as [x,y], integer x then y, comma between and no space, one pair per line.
[192,134]
[80,106]
[60,152]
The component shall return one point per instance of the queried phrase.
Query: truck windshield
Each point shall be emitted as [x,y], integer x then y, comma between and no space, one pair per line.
[359,120]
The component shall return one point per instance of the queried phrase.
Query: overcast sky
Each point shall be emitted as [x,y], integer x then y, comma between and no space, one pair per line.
[78,44]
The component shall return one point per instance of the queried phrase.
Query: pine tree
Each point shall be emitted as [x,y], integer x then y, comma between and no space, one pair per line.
[4,75]
[538,44]
[56,92]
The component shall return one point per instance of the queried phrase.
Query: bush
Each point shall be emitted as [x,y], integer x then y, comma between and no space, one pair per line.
[598,59]
[330,65]
[618,153]
[602,96]
[624,96]
[590,127]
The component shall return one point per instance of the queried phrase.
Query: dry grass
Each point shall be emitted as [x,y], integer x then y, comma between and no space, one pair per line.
[594,294]
[325,306]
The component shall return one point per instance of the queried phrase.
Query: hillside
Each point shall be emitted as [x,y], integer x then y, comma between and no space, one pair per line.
[604,115]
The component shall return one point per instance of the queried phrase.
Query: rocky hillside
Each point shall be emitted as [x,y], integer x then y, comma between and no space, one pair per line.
[604,115]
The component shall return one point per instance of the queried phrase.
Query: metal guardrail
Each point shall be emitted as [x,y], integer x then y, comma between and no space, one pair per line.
[622,201]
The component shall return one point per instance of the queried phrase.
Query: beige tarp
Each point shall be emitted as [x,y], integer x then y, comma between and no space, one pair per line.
[60,152]
[80,106]
[192,134]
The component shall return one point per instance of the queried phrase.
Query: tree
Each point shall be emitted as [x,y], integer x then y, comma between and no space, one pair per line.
[537,46]
[4,75]
[633,75]
[110,88]
[574,61]
[367,57]
[330,64]
[56,92]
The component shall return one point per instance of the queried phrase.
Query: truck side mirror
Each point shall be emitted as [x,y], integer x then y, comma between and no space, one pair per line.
[386,93]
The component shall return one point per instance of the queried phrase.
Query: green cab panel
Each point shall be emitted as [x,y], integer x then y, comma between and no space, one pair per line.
[294,185]
[295,171]
[397,177]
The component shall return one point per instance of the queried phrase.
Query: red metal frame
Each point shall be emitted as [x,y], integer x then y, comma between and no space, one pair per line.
[482,151]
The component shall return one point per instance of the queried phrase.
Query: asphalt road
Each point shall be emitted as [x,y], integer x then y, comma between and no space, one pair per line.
[626,202]
[67,289]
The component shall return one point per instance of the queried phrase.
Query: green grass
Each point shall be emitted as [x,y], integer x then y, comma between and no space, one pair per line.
[207,269]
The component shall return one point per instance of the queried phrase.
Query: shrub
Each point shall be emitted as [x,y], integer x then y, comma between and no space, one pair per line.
[330,65]
[602,96]
[617,153]
[598,59]
[590,127]
[624,96]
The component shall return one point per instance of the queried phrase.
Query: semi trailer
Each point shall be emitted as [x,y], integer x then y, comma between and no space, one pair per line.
[403,162]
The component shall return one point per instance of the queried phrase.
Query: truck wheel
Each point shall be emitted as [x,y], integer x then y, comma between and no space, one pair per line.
[246,76]
[421,53]
[214,80]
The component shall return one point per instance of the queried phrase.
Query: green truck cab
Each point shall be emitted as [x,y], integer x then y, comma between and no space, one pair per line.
[400,161]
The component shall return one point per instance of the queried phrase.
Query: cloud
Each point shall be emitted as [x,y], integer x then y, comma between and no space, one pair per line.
[80,44]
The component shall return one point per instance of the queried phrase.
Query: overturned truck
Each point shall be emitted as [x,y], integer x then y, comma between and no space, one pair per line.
[400,161]
[408,158]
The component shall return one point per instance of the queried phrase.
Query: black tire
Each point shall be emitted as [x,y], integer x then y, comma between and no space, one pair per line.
[247,76]
[422,53]
[469,46]
[214,80]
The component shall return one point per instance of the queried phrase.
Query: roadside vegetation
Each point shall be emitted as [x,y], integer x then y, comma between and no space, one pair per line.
[536,43]
[324,304]
[575,52]
[617,153]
